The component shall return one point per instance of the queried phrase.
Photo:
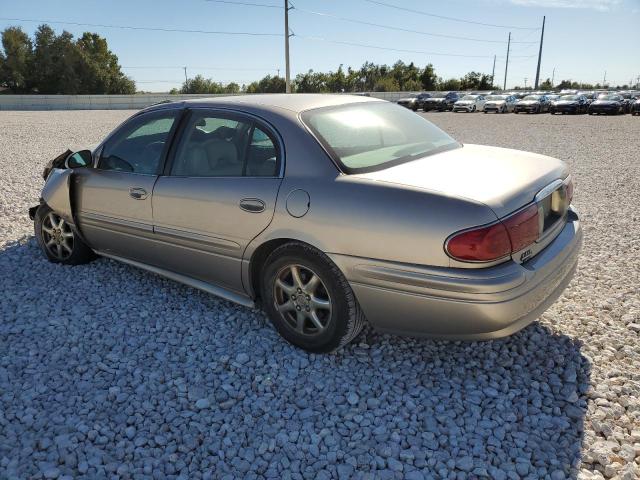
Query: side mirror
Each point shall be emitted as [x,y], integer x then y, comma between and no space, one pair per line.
[80,159]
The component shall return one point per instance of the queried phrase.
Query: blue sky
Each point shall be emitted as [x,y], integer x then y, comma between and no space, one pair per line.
[583,38]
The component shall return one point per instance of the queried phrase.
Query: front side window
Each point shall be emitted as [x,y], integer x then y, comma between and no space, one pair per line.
[139,145]
[364,137]
[214,145]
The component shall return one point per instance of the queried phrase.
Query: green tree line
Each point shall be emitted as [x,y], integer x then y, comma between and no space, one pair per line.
[52,64]
[370,77]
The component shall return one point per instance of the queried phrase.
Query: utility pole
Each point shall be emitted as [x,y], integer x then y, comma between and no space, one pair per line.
[553,77]
[186,79]
[506,65]
[286,45]
[493,71]
[525,82]
[604,79]
[540,53]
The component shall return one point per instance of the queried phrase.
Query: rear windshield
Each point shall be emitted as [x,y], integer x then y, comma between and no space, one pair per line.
[364,137]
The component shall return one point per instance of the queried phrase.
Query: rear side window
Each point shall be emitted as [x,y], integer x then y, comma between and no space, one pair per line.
[139,145]
[214,145]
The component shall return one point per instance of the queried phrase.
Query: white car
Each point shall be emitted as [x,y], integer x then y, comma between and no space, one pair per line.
[469,103]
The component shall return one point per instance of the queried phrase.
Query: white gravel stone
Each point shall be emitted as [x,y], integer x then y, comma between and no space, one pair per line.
[101,365]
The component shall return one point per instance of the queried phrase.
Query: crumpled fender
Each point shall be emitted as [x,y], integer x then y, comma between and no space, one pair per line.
[56,193]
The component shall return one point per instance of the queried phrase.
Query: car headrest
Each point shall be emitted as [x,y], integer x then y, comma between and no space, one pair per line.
[220,152]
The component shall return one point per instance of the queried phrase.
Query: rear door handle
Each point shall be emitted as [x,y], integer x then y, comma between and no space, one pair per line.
[252,205]
[138,193]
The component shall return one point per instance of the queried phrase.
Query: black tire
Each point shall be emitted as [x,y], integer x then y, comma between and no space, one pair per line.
[79,252]
[345,318]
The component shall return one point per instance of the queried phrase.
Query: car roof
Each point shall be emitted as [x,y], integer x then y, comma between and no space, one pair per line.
[295,102]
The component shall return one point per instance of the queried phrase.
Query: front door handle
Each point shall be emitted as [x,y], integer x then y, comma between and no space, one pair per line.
[252,205]
[138,193]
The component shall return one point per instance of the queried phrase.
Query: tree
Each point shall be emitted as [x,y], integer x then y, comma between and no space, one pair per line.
[428,78]
[59,64]
[450,84]
[102,72]
[268,84]
[311,82]
[546,85]
[475,81]
[386,84]
[16,61]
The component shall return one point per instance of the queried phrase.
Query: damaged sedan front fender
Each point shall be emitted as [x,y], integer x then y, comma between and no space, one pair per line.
[56,193]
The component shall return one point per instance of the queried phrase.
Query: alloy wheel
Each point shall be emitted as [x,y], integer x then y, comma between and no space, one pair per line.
[57,236]
[302,300]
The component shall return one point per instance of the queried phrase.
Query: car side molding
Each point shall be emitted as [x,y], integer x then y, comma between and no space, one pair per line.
[191,282]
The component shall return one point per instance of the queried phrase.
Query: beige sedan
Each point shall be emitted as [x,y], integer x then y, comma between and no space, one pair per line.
[328,211]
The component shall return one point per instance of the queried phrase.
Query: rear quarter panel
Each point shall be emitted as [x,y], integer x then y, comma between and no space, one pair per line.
[364,218]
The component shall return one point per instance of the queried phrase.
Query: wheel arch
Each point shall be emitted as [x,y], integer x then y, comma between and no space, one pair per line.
[253,265]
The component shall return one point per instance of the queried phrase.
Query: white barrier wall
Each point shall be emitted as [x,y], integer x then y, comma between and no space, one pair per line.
[114,102]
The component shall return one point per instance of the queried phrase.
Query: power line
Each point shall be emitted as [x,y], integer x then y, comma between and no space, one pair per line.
[400,29]
[182,81]
[131,27]
[377,47]
[198,68]
[442,17]
[246,4]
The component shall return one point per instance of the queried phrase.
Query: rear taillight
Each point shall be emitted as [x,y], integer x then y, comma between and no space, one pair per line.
[481,244]
[523,228]
[485,244]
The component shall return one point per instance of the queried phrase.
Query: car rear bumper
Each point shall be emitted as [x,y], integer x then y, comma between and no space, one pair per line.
[464,304]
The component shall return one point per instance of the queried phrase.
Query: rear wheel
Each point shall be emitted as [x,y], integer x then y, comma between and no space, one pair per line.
[308,299]
[58,241]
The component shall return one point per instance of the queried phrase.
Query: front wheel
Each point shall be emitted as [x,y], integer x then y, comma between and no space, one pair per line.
[57,240]
[308,299]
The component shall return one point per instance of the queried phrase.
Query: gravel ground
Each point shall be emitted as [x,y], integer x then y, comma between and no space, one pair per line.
[110,372]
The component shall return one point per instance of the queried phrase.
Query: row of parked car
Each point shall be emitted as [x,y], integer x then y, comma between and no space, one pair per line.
[564,102]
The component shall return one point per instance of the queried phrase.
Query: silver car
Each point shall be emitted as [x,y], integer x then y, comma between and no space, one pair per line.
[499,103]
[469,103]
[328,211]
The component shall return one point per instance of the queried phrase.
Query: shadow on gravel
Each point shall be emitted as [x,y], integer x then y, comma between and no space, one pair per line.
[108,370]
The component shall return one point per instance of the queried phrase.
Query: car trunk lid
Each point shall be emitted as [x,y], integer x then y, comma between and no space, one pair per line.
[503,179]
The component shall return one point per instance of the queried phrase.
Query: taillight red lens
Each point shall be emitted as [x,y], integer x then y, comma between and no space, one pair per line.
[481,245]
[508,236]
[523,228]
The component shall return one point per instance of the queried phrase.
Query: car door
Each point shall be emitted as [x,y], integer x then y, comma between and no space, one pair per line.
[217,193]
[113,200]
